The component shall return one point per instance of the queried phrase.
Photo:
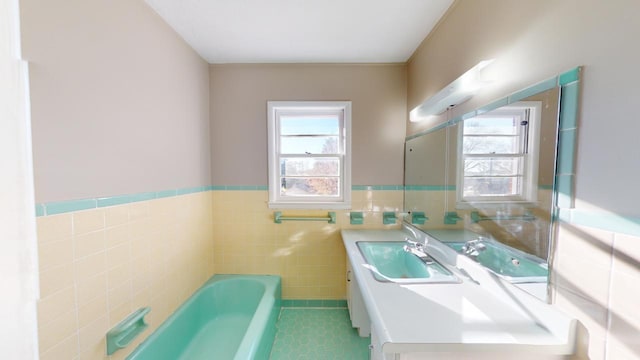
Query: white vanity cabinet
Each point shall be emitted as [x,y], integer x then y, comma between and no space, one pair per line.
[357,310]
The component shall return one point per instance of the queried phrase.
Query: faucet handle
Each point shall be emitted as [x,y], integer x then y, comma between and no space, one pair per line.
[415,244]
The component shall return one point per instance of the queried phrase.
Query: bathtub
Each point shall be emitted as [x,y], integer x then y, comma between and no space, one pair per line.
[229,317]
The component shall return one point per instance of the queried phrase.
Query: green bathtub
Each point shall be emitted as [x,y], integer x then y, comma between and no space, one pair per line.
[230,317]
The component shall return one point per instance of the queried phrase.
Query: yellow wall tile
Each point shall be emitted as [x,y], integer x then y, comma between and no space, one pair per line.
[92,310]
[88,244]
[91,337]
[55,279]
[120,295]
[56,304]
[116,235]
[138,210]
[55,227]
[65,349]
[119,275]
[90,266]
[57,330]
[55,253]
[88,221]
[91,287]
[116,215]
[118,255]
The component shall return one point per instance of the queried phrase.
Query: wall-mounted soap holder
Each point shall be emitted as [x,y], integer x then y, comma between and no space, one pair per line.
[388,218]
[451,218]
[356,218]
[418,217]
[121,335]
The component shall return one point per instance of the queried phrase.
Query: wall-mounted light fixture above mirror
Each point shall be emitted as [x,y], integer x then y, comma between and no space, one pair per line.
[459,91]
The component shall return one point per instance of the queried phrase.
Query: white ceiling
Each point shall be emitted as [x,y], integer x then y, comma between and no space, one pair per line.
[302,31]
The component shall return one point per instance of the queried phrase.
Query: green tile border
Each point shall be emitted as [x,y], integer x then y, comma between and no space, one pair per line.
[61,207]
[239,187]
[314,303]
[377,187]
[494,105]
[534,89]
[39,210]
[430,187]
[601,220]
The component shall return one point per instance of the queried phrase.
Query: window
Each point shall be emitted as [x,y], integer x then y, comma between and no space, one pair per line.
[498,155]
[309,154]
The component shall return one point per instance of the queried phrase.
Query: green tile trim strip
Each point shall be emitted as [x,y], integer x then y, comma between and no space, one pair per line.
[602,220]
[430,188]
[494,105]
[314,303]
[69,206]
[61,207]
[567,138]
[239,187]
[376,187]
[428,131]
[534,89]
[569,76]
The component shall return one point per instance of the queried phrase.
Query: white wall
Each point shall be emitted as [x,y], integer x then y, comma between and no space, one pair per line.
[18,258]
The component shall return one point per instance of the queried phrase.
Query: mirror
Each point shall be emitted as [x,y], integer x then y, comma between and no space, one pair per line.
[491,177]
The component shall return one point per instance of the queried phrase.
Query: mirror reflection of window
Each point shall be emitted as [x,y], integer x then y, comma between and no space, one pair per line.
[498,155]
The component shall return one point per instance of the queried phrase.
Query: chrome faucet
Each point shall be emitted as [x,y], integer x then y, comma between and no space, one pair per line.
[473,248]
[417,249]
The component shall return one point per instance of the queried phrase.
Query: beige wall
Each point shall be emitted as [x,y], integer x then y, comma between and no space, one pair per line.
[532,41]
[239,95]
[119,101]
[535,40]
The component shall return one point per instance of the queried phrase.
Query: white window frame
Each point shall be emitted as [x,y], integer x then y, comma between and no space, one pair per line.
[277,108]
[529,194]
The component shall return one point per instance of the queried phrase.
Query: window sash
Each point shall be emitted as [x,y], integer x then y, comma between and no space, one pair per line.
[523,174]
[278,177]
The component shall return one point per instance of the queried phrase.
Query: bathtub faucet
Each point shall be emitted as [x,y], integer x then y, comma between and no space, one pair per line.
[473,248]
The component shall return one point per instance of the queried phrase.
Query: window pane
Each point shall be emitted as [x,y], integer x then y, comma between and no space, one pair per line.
[310,186]
[309,125]
[491,145]
[488,186]
[309,145]
[477,166]
[492,125]
[309,167]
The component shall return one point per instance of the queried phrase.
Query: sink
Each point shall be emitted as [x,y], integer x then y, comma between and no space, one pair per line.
[389,262]
[508,263]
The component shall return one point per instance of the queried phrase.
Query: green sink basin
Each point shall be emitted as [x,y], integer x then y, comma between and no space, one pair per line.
[388,262]
[508,263]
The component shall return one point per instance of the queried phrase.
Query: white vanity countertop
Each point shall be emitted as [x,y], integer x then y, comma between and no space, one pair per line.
[455,317]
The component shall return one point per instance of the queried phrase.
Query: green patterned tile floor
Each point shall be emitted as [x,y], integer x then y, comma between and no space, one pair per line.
[317,334]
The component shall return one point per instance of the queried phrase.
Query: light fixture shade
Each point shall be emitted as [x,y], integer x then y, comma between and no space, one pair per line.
[459,91]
